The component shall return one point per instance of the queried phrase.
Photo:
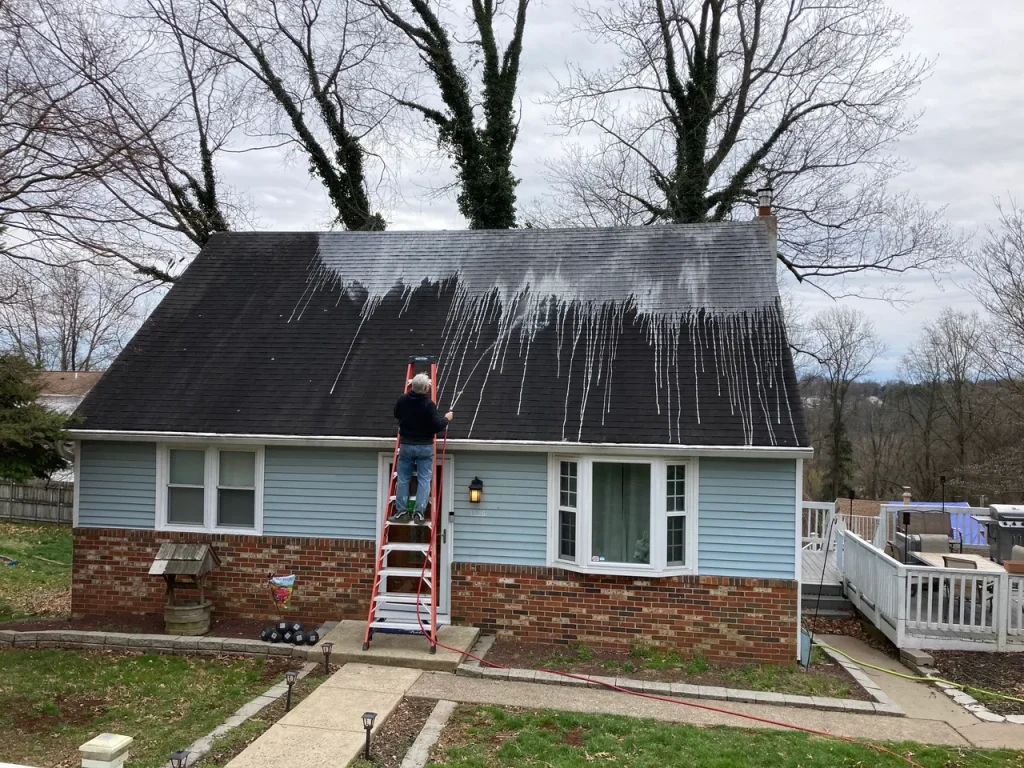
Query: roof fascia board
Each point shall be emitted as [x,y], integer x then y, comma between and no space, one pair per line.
[518,446]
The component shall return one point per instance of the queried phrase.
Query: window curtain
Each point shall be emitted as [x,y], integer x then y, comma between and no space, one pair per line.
[621,512]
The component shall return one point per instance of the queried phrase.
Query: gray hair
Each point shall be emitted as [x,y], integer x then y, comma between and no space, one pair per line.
[421,383]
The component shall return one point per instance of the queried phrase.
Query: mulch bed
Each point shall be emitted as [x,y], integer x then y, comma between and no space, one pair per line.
[147,624]
[393,739]
[999,672]
[508,653]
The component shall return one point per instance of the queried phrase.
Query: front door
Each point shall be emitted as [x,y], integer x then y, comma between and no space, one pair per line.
[416,534]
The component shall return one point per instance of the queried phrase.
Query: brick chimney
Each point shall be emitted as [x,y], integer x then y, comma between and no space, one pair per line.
[764,213]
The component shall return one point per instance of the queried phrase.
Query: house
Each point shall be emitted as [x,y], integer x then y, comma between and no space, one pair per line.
[625,395]
[64,390]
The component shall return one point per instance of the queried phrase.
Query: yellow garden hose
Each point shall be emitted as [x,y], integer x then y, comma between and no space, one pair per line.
[961,686]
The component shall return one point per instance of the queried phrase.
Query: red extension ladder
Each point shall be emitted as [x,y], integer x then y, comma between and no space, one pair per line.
[401,611]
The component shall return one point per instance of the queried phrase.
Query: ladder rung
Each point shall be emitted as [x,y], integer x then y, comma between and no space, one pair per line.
[424,524]
[406,572]
[403,625]
[402,547]
[402,598]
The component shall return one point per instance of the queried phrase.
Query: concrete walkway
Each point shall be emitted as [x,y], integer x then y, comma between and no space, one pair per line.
[931,717]
[925,702]
[325,729]
[396,650]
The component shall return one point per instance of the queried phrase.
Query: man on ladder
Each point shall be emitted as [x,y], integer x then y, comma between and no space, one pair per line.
[418,422]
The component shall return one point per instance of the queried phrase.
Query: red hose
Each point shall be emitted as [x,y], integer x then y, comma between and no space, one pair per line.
[707,707]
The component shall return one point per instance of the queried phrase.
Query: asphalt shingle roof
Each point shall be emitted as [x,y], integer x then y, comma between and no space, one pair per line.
[631,335]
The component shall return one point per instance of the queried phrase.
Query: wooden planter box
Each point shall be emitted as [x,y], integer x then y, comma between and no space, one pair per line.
[188,617]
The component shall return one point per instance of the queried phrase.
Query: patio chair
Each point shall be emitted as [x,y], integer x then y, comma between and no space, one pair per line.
[960,563]
[939,524]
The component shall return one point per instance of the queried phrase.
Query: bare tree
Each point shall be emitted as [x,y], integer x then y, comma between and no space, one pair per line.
[878,445]
[920,402]
[477,126]
[999,288]
[711,99]
[72,317]
[153,108]
[324,64]
[845,344]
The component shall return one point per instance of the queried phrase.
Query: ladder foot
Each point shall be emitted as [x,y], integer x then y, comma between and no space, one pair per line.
[433,649]
[366,646]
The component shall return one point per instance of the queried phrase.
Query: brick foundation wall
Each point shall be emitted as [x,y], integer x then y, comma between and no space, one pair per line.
[333,576]
[721,618]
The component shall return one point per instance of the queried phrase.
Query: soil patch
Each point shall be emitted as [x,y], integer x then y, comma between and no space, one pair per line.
[149,624]
[859,628]
[999,672]
[824,678]
[72,710]
[393,739]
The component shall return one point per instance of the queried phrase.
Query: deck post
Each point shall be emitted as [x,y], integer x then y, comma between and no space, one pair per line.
[901,606]
[1002,610]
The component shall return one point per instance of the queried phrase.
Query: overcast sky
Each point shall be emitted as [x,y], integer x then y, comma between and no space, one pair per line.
[968,148]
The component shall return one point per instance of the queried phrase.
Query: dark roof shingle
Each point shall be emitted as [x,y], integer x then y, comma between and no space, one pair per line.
[650,335]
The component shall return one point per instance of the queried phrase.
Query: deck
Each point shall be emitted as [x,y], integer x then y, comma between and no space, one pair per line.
[813,562]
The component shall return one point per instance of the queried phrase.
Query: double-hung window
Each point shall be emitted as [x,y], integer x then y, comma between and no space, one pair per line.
[623,515]
[210,489]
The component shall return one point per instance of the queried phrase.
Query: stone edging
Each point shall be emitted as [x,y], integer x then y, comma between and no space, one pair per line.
[181,645]
[881,705]
[202,745]
[418,754]
[964,699]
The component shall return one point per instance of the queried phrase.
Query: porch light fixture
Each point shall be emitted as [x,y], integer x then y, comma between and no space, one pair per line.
[326,650]
[290,677]
[476,490]
[179,759]
[368,718]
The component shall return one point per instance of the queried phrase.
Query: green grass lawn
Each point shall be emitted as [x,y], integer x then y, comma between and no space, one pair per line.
[780,678]
[52,701]
[489,736]
[35,587]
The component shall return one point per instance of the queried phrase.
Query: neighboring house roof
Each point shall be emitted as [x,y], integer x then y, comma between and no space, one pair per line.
[64,390]
[652,335]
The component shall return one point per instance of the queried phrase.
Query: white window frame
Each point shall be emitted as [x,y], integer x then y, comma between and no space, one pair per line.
[211,483]
[659,515]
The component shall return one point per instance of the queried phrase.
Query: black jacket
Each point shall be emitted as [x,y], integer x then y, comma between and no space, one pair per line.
[418,419]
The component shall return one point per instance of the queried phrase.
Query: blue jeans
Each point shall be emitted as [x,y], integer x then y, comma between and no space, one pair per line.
[423,457]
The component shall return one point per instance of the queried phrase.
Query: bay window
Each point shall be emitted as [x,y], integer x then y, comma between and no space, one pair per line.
[210,489]
[623,515]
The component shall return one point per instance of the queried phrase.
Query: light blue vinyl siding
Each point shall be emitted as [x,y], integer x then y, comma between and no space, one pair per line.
[509,526]
[117,485]
[747,518]
[327,492]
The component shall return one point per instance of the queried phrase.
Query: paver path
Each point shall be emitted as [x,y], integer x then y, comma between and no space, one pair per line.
[325,730]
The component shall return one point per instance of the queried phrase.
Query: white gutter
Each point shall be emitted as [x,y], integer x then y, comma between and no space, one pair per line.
[524,446]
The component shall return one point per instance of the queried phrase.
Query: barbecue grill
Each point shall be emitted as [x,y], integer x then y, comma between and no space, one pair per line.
[1004,529]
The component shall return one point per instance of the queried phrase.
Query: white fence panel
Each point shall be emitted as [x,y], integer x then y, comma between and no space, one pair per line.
[1015,612]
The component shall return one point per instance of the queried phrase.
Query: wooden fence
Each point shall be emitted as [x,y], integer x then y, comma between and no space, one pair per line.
[51,502]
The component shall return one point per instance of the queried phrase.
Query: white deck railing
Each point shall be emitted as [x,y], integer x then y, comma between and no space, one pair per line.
[940,608]
[825,518]
[817,524]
